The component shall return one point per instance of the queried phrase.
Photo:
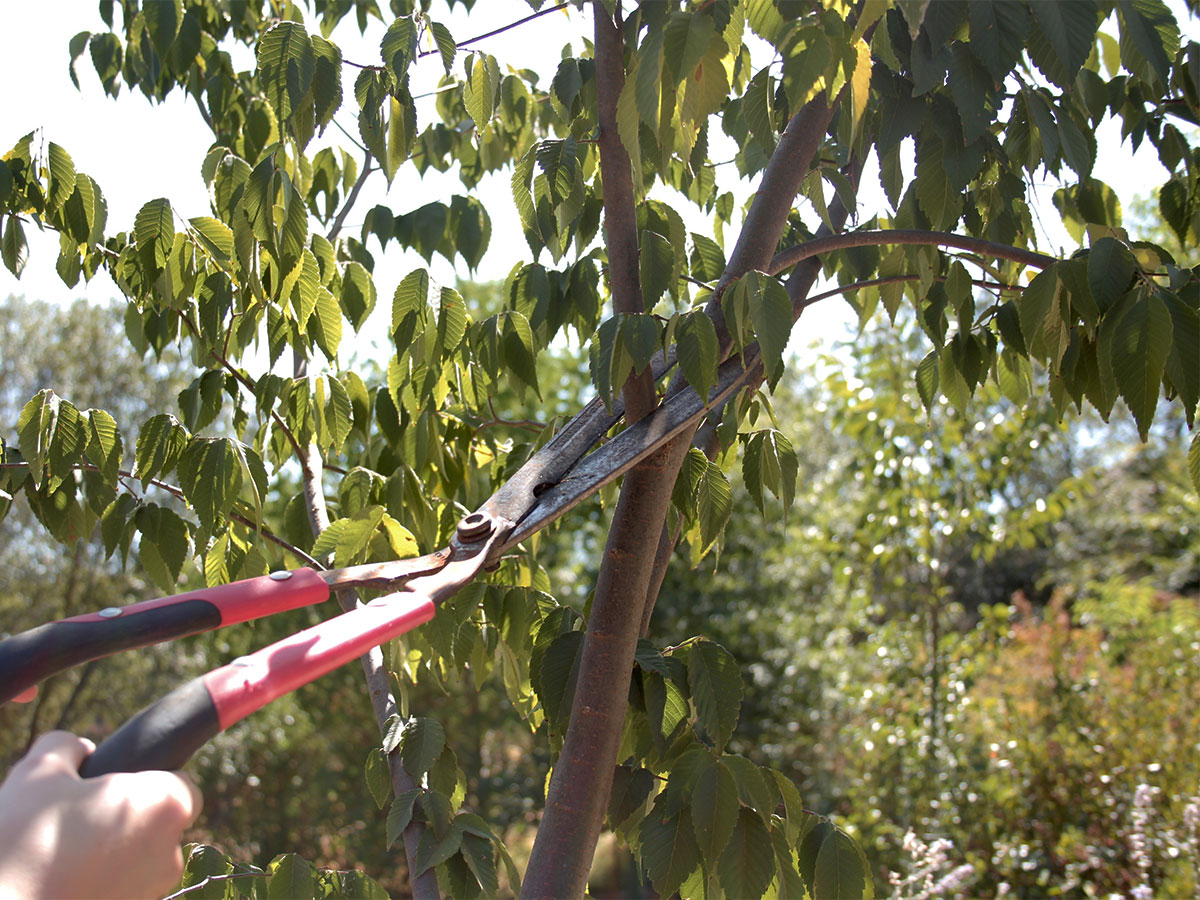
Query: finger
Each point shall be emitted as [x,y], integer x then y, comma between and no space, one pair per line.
[175,799]
[57,750]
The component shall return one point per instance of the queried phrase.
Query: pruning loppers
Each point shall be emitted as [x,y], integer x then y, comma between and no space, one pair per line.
[165,734]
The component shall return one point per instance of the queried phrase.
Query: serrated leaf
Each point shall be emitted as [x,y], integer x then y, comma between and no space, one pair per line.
[291,877]
[714,798]
[669,851]
[399,47]
[165,545]
[358,294]
[327,80]
[841,869]
[714,504]
[480,856]
[518,349]
[325,324]
[421,744]
[104,447]
[445,44]
[347,539]
[1070,30]
[1140,345]
[154,230]
[210,474]
[62,176]
[215,236]
[286,64]
[747,864]
[160,443]
[860,84]
[1110,267]
[696,351]
[400,815]
[379,776]
[479,92]
[1149,38]
[339,414]
[715,682]
[556,677]
[14,248]
[433,850]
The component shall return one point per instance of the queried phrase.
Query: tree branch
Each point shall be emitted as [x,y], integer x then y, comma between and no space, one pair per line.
[818,245]
[351,199]
[501,29]
[178,493]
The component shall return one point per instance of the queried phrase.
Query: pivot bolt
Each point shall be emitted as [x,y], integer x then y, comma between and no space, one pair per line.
[109,612]
[475,526]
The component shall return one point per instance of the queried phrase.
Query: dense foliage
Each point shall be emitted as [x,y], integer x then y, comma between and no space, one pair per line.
[270,460]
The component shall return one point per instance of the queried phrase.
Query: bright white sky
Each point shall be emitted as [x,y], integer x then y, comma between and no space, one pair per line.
[137,152]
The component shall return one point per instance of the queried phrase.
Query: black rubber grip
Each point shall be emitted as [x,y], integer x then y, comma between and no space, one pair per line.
[32,656]
[164,735]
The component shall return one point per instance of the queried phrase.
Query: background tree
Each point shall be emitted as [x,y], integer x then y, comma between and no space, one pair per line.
[983,96]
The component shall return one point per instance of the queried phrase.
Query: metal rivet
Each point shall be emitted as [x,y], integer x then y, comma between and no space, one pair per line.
[282,575]
[109,612]
[474,526]
[241,661]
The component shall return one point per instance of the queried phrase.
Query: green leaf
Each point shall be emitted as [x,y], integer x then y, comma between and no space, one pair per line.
[771,313]
[927,380]
[400,815]
[163,19]
[13,247]
[154,230]
[210,474]
[715,682]
[753,788]
[446,48]
[480,855]
[519,352]
[107,52]
[697,350]
[1194,461]
[1183,363]
[557,675]
[421,744]
[160,443]
[714,504]
[937,197]
[714,799]
[325,325]
[1039,311]
[1149,39]
[399,47]
[216,237]
[358,294]
[379,776]
[1140,345]
[1110,268]
[62,176]
[669,851]
[479,92]
[769,461]
[1069,30]
[998,29]
[286,64]
[292,876]
[327,80]
[104,447]
[971,86]
[433,850]
[747,865]
[165,545]
[841,869]
[35,430]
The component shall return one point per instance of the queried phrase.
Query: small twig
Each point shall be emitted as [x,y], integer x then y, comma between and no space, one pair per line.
[351,138]
[179,494]
[245,381]
[340,219]
[895,279]
[501,29]
[209,879]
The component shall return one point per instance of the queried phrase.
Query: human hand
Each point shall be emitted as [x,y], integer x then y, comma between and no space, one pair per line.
[63,836]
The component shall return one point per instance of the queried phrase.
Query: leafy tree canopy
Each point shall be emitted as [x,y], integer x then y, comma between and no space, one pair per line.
[978,97]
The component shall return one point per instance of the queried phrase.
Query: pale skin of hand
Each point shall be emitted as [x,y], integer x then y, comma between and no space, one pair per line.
[116,836]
